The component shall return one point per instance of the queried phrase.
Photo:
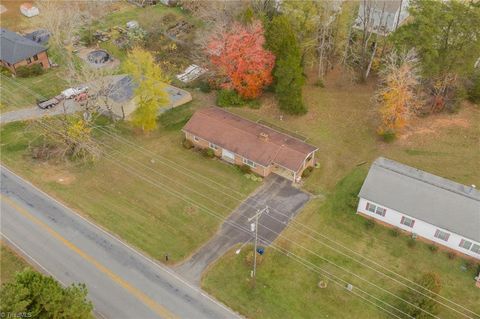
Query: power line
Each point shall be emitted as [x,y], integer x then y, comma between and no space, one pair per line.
[108,132]
[281,235]
[209,211]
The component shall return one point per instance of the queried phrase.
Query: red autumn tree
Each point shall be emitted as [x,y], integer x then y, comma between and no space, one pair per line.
[239,54]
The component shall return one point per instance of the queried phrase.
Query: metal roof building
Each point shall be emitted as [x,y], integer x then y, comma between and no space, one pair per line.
[424,196]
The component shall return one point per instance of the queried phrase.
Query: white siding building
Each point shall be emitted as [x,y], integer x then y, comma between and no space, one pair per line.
[430,206]
[381,16]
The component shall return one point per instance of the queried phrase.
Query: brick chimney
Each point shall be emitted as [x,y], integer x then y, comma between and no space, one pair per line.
[263,136]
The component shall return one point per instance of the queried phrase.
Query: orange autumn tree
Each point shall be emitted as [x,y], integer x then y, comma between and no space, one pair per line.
[397,96]
[239,55]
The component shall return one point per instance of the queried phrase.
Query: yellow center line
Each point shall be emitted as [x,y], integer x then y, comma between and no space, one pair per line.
[160,310]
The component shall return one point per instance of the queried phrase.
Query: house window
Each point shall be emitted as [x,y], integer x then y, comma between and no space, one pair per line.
[35,57]
[196,139]
[213,146]
[249,162]
[407,221]
[376,209]
[371,208]
[442,235]
[465,244]
[476,248]
[29,60]
[381,211]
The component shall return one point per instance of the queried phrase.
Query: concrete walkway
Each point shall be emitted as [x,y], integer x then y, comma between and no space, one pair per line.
[284,200]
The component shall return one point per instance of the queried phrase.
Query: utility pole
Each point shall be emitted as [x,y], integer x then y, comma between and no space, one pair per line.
[254,227]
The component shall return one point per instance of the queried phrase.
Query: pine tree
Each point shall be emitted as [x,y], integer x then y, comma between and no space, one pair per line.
[288,71]
[43,297]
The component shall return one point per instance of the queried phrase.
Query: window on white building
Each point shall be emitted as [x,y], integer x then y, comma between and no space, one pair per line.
[376,209]
[371,208]
[465,244]
[476,248]
[249,162]
[407,221]
[213,146]
[442,235]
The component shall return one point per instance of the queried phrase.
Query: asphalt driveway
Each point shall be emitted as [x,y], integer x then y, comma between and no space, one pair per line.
[284,201]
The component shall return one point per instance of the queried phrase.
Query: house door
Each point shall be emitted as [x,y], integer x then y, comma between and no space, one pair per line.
[228,156]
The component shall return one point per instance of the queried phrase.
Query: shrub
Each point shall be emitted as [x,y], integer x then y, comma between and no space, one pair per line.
[245,169]
[205,87]
[229,98]
[5,71]
[307,172]
[474,89]
[369,224]
[320,83]
[29,71]
[208,152]
[411,243]
[451,255]
[470,265]
[388,136]
[254,104]
[433,248]
[395,232]
[187,144]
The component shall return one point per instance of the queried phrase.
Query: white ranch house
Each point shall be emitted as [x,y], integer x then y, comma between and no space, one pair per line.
[432,207]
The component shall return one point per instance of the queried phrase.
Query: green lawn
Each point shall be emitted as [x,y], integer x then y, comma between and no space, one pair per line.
[286,289]
[10,263]
[341,122]
[139,202]
[22,92]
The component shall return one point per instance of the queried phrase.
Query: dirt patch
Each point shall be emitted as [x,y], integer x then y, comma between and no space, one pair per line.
[51,173]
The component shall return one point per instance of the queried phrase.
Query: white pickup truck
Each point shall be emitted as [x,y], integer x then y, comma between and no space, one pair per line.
[73,92]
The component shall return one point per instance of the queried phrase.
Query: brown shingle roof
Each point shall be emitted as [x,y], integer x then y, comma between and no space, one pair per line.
[248,139]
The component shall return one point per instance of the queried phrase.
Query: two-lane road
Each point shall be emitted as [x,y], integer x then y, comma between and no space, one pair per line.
[122,283]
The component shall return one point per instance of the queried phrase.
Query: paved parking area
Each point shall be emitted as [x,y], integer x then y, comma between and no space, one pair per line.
[284,201]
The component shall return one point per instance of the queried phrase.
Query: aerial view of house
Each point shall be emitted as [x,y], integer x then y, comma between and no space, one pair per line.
[17,51]
[240,141]
[432,207]
[261,159]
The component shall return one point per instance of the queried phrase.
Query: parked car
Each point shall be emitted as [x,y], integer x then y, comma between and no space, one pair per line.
[73,92]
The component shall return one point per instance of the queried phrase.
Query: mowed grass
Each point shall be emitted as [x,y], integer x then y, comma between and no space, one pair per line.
[163,198]
[22,92]
[10,263]
[285,288]
[342,123]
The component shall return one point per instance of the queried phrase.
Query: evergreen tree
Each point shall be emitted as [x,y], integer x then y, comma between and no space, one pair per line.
[43,297]
[288,71]
[446,35]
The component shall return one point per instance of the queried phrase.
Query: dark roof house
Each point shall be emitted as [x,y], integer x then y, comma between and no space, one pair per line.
[15,48]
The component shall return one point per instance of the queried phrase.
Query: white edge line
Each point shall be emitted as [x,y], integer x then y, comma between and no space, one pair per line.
[159,266]
[45,270]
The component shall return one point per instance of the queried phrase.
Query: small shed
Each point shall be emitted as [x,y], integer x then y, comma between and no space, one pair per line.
[29,10]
